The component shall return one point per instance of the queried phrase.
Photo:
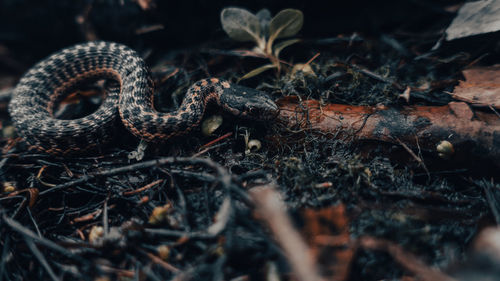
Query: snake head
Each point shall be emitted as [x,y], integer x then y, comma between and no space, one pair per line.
[248,103]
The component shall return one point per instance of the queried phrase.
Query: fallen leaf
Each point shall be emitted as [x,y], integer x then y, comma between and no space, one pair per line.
[475,18]
[481,86]
[327,233]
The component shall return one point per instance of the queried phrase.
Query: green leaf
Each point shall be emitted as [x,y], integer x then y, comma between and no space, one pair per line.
[281,45]
[286,23]
[264,17]
[241,25]
[257,71]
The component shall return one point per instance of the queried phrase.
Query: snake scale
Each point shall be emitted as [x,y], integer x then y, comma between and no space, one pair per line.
[130,100]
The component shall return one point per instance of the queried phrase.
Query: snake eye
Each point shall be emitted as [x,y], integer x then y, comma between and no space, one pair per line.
[253,110]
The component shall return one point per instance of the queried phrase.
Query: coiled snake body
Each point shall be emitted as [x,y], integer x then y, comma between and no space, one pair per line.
[49,81]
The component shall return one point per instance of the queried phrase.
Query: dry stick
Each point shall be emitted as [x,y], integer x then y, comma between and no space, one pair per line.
[87,217]
[162,263]
[118,271]
[407,260]
[472,133]
[40,257]
[375,76]
[105,223]
[205,150]
[179,234]
[271,209]
[16,226]
[490,198]
[212,142]
[141,189]
[223,175]
[418,159]
[493,109]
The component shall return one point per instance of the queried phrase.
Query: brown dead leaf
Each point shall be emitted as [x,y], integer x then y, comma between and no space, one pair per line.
[473,18]
[327,233]
[270,208]
[481,86]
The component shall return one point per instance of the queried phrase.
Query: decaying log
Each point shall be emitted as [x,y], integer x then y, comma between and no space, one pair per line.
[471,132]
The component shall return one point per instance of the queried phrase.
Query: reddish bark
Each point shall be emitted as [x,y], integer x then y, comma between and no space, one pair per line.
[471,132]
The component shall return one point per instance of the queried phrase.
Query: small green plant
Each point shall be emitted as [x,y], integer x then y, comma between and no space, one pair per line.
[242,25]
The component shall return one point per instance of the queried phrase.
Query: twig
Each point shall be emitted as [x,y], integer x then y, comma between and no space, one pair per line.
[271,210]
[490,197]
[43,241]
[224,176]
[312,59]
[407,260]
[179,234]
[418,159]
[378,77]
[39,256]
[493,109]
[210,145]
[6,246]
[105,223]
[163,263]
[139,190]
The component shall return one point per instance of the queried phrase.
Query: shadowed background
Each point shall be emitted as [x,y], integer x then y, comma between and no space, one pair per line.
[33,28]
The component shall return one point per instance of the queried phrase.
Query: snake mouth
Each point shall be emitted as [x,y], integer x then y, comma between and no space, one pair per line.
[249,103]
[270,110]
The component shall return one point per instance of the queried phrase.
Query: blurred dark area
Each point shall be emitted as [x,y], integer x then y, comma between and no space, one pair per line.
[32,29]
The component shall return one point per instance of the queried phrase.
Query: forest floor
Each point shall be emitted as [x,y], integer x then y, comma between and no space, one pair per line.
[354,180]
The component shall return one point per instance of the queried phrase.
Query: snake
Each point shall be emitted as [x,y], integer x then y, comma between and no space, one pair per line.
[129,98]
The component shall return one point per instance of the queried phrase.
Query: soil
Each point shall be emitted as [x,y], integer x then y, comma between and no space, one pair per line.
[188,210]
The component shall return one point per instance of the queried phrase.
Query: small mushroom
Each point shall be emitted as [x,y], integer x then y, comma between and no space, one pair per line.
[8,187]
[253,146]
[211,124]
[163,252]
[159,214]
[445,149]
[96,233]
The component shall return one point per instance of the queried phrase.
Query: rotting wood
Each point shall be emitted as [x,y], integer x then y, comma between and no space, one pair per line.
[472,132]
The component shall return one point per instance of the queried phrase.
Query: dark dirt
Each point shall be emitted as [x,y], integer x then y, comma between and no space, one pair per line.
[434,214]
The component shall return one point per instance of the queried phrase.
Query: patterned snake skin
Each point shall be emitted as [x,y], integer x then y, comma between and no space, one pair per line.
[130,97]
